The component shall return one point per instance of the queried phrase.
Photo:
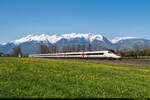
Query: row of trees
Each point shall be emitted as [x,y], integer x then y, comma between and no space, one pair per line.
[69,48]
[16,53]
[66,48]
[137,51]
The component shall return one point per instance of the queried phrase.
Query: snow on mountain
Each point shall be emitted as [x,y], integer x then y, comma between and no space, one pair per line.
[30,38]
[53,38]
[3,43]
[31,43]
[117,39]
[89,36]
[42,37]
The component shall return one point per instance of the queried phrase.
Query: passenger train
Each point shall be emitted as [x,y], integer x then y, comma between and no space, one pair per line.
[107,54]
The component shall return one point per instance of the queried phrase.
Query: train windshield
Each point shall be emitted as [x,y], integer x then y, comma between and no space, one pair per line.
[113,51]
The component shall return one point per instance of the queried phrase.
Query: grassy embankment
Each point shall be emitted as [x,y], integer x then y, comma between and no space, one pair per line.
[139,58]
[34,77]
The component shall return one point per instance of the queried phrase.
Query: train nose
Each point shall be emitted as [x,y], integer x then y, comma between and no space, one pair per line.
[118,54]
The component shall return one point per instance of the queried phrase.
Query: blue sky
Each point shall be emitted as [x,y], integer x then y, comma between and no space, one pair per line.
[111,18]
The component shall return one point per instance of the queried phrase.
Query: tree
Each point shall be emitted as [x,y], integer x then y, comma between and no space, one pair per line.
[78,47]
[44,49]
[136,50]
[72,48]
[89,46]
[54,48]
[83,47]
[102,47]
[64,48]
[25,55]
[125,52]
[67,48]
[50,49]
[17,52]
[118,49]
[95,47]
[1,54]
[146,50]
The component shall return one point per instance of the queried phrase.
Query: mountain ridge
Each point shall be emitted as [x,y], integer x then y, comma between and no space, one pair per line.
[31,43]
[55,38]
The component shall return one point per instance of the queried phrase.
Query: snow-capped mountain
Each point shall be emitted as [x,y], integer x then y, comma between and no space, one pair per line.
[53,38]
[31,43]
[117,39]
[3,43]
[37,38]
[128,43]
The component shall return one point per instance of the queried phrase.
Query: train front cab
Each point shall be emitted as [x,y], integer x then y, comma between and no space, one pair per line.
[112,55]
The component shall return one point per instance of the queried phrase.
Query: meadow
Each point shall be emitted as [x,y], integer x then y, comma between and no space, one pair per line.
[48,78]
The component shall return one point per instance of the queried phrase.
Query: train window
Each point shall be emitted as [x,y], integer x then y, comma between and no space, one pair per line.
[73,54]
[109,52]
[95,54]
[112,51]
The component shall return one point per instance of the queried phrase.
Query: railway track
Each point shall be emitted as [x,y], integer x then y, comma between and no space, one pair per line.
[123,61]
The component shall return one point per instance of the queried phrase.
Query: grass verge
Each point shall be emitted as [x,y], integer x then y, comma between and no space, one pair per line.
[35,77]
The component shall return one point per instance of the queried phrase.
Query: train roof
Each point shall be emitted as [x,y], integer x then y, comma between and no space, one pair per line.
[79,52]
[88,51]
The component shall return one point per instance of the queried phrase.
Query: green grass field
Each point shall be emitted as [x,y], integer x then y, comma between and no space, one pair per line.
[139,58]
[35,77]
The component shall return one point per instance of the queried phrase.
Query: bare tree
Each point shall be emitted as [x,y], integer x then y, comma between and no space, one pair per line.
[50,49]
[26,55]
[54,48]
[17,52]
[73,48]
[95,47]
[136,50]
[64,48]
[101,47]
[44,49]
[83,47]
[1,54]
[146,50]
[78,47]
[89,46]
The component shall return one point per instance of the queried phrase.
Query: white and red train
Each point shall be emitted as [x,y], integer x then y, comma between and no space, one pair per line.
[108,54]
